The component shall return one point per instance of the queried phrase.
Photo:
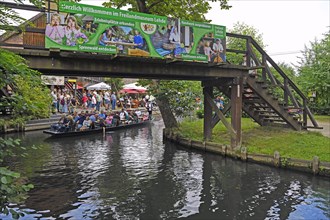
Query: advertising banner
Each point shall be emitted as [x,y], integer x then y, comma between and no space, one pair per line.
[53,80]
[80,27]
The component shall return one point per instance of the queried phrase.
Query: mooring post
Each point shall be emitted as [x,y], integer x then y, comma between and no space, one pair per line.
[236,111]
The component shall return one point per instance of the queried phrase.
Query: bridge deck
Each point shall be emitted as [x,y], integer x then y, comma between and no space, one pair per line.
[101,65]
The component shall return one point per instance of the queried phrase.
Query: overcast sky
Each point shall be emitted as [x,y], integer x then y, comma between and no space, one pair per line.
[286,25]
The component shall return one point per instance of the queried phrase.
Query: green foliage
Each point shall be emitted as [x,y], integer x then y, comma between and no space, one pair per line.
[240,44]
[115,83]
[10,17]
[266,140]
[13,188]
[186,9]
[11,65]
[180,94]
[314,69]
[200,113]
[30,98]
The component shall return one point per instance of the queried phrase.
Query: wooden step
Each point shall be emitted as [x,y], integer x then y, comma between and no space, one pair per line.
[264,111]
[293,107]
[248,92]
[274,119]
[251,97]
[258,101]
[260,82]
[272,114]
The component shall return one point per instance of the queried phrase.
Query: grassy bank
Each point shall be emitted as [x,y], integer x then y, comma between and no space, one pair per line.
[266,140]
[322,118]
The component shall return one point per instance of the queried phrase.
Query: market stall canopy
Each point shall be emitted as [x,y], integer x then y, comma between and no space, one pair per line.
[133,88]
[99,86]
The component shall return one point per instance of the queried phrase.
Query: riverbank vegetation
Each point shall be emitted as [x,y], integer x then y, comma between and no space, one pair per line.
[266,140]
[27,97]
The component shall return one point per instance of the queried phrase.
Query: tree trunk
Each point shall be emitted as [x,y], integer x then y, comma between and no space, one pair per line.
[167,114]
[142,6]
[164,108]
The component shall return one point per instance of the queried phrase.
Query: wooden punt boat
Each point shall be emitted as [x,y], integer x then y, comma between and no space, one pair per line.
[54,133]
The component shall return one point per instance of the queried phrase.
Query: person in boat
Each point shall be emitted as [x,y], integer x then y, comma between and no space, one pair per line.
[101,122]
[108,119]
[80,121]
[69,126]
[75,116]
[116,119]
[60,125]
[86,124]
[102,115]
[134,117]
[149,107]
[123,115]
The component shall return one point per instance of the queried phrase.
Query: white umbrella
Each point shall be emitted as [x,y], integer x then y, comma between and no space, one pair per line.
[134,86]
[99,86]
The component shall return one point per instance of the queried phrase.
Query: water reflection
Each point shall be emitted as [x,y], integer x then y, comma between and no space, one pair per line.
[132,175]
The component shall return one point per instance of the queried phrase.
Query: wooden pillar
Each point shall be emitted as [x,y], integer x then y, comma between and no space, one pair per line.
[236,112]
[207,113]
[305,113]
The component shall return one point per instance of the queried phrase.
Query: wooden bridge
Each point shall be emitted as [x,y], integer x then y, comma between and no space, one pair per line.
[248,93]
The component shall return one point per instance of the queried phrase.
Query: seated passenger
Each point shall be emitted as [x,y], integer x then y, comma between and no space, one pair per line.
[102,115]
[80,121]
[122,115]
[69,126]
[75,116]
[60,125]
[101,123]
[115,120]
[134,117]
[108,119]
[86,124]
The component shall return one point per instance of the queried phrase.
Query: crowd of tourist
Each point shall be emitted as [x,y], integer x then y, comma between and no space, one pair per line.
[66,102]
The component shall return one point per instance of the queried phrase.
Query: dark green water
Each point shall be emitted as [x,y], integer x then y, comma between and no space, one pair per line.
[132,174]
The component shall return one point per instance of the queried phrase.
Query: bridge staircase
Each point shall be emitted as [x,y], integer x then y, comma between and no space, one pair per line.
[70,87]
[269,97]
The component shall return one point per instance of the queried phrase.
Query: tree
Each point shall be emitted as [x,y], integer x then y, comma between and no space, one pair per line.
[184,9]
[314,69]
[10,17]
[115,83]
[30,98]
[187,9]
[240,44]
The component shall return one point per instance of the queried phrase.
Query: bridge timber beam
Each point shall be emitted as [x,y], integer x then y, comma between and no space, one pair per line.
[55,62]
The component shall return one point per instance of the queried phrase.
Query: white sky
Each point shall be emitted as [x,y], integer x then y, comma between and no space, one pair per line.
[286,25]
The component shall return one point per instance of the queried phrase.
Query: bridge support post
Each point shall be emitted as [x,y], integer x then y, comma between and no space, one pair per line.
[207,90]
[236,112]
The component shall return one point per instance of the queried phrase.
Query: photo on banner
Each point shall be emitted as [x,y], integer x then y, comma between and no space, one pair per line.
[86,28]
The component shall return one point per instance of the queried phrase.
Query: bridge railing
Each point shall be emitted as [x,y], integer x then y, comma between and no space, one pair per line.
[269,72]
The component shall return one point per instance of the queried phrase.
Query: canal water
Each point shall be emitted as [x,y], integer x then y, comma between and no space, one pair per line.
[132,174]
